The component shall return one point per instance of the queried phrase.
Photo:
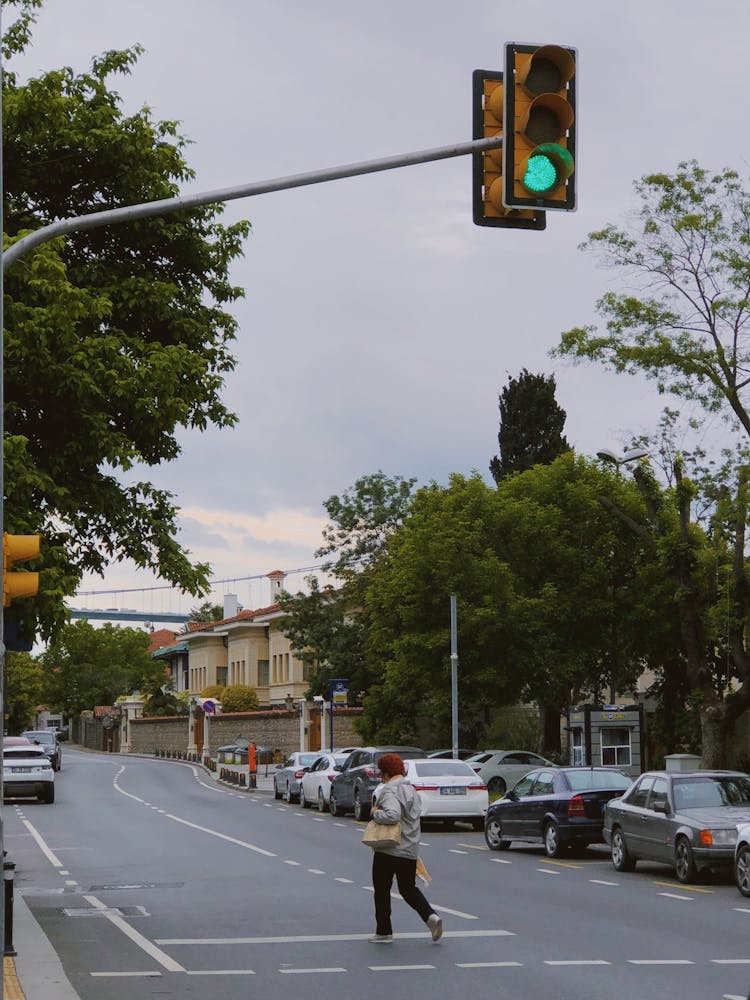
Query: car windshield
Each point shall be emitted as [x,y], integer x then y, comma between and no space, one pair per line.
[47,738]
[581,781]
[438,768]
[705,791]
[306,759]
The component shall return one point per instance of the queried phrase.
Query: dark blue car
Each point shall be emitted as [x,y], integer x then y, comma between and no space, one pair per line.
[559,807]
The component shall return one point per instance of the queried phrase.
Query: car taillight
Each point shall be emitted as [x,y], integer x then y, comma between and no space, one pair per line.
[576,807]
[477,788]
[372,772]
[425,788]
[331,777]
[298,774]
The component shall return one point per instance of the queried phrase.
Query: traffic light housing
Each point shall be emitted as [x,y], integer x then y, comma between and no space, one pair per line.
[16,549]
[489,210]
[539,148]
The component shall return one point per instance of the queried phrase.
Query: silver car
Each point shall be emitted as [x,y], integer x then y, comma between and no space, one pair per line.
[286,779]
[502,769]
[688,821]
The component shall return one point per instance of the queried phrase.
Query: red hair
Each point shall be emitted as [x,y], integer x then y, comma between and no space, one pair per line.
[391,764]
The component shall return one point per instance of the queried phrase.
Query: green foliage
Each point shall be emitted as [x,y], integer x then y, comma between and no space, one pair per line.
[239,698]
[688,256]
[213,691]
[23,691]
[531,425]
[116,339]
[207,612]
[515,730]
[86,666]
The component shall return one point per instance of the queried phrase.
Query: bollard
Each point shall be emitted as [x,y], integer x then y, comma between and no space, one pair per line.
[9,868]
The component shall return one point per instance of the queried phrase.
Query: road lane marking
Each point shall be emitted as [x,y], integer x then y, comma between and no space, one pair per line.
[601,881]
[561,864]
[46,851]
[156,953]
[660,961]
[741,909]
[475,847]
[579,961]
[316,871]
[685,888]
[122,975]
[731,961]
[673,895]
[326,938]
[488,965]
[63,871]
[220,972]
[296,972]
[501,861]
[346,881]
[223,836]
[292,862]
[548,871]
[454,850]
[398,968]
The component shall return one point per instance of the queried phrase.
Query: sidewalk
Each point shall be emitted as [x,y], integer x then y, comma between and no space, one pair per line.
[35,972]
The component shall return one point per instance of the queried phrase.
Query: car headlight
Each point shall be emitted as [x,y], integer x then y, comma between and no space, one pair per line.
[718,838]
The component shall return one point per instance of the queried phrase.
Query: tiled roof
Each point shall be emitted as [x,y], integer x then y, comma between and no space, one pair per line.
[101,710]
[160,638]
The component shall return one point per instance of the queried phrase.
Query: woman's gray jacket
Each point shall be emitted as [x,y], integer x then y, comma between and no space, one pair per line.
[397,800]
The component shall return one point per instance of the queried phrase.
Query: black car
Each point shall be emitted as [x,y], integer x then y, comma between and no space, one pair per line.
[560,807]
[47,739]
[358,777]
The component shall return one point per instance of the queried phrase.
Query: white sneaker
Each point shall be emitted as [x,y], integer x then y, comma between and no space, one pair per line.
[436,926]
[381,939]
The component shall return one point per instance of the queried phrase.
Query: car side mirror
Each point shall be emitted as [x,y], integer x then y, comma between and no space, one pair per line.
[337,767]
[511,794]
[661,807]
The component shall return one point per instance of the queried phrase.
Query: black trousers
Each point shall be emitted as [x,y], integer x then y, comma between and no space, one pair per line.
[384,867]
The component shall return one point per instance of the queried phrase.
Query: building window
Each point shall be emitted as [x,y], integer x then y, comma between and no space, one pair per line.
[221,676]
[262,673]
[308,671]
[616,747]
[577,743]
[286,667]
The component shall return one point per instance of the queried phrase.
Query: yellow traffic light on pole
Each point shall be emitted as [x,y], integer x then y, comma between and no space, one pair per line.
[16,549]
[489,210]
[539,147]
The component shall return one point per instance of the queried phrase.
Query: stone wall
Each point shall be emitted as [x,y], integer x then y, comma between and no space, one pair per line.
[276,729]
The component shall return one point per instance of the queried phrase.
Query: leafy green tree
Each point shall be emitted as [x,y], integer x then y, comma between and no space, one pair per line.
[116,338]
[23,691]
[239,698]
[531,425]
[86,666]
[207,612]
[685,322]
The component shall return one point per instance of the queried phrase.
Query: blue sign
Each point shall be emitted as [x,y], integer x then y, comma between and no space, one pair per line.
[209,707]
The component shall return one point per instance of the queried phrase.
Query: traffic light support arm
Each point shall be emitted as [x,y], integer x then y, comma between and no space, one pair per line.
[128,213]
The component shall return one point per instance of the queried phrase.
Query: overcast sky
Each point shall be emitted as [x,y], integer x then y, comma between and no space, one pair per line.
[379,324]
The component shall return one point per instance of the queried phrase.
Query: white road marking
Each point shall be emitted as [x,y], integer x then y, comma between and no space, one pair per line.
[318,819]
[220,972]
[316,871]
[453,850]
[741,909]
[49,855]
[340,824]
[156,953]
[488,965]
[548,871]
[501,861]
[122,975]
[732,996]
[398,968]
[579,961]
[601,881]
[475,847]
[296,972]
[731,961]
[660,961]
[223,836]
[674,895]
[346,881]
[70,881]
[291,862]
[326,938]
[63,871]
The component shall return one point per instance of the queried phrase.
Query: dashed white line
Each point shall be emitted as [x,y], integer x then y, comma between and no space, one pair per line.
[292,863]
[731,961]
[316,871]
[660,961]
[399,968]
[501,861]
[453,850]
[347,881]
[578,961]
[292,972]
[488,965]
[601,881]
[548,871]
[674,895]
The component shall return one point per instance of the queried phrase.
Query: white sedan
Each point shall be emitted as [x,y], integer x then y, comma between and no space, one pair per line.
[315,784]
[449,790]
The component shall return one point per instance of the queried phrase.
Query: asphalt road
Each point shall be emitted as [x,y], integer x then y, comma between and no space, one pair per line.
[151,881]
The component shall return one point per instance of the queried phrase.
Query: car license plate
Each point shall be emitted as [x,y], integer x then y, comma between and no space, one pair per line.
[453,790]
[21,770]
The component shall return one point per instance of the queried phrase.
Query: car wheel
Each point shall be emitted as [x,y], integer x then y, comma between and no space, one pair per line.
[361,809]
[493,834]
[684,862]
[496,786]
[321,801]
[742,870]
[287,795]
[333,805]
[552,846]
[303,799]
[48,795]
[621,859]
[276,792]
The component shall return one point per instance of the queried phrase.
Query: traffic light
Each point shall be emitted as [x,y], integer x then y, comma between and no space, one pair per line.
[18,548]
[489,210]
[539,147]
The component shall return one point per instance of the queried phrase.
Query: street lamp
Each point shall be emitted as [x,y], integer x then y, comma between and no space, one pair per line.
[629,456]
[289,702]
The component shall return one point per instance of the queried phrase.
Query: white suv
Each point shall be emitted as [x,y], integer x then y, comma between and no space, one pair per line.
[27,771]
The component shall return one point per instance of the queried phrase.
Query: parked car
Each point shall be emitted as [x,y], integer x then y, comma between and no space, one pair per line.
[559,807]
[449,790]
[688,821]
[358,777]
[47,738]
[27,770]
[316,781]
[742,859]
[286,780]
[501,769]
[448,754]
